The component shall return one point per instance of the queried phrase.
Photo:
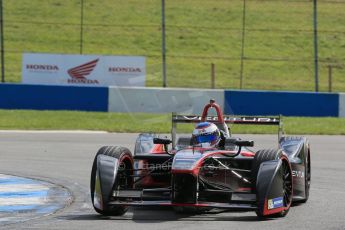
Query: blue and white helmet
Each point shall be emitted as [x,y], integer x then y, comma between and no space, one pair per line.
[207,134]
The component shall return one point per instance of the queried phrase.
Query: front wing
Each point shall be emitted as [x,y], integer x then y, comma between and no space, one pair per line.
[243,201]
[167,203]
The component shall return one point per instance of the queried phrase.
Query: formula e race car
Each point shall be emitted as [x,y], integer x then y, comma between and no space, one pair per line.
[177,172]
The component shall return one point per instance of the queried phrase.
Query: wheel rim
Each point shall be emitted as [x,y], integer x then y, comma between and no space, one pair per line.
[124,176]
[287,184]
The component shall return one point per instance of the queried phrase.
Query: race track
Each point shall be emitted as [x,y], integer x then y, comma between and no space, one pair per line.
[65,158]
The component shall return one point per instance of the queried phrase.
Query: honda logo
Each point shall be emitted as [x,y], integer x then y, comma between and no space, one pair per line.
[79,73]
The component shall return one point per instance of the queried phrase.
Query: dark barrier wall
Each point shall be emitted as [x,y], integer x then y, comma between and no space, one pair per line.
[284,103]
[42,97]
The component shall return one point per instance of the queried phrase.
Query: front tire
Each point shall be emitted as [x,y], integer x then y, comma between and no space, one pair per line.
[285,173]
[262,156]
[123,179]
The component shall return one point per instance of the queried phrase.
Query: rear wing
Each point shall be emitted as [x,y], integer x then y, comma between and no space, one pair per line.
[243,120]
[228,119]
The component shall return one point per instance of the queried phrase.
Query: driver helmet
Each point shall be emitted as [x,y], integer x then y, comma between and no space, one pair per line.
[207,134]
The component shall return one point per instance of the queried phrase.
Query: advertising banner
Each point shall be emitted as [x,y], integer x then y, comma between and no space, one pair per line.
[84,70]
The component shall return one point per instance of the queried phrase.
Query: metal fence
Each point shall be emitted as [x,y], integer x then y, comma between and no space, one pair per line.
[251,44]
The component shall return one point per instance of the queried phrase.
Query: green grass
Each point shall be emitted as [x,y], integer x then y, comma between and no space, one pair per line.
[137,122]
[278,42]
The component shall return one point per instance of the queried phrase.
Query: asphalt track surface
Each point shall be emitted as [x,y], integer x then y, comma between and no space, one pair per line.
[66,158]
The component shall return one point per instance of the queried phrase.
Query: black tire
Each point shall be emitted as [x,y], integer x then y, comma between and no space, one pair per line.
[307,176]
[261,156]
[307,164]
[126,162]
[268,155]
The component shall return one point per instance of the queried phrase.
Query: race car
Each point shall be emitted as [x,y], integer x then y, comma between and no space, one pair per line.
[191,177]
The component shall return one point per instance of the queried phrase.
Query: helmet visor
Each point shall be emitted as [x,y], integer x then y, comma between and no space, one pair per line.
[206,138]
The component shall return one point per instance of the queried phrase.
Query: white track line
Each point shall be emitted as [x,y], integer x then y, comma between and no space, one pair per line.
[12,184]
[22,187]
[23,201]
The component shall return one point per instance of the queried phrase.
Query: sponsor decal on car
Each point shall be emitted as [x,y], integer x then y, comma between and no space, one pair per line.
[299,174]
[275,203]
[229,119]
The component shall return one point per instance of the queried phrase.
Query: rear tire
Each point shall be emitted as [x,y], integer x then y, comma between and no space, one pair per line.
[307,176]
[268,155]
[126,166]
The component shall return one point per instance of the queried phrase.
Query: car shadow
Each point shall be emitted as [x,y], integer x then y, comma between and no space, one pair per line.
[165,214]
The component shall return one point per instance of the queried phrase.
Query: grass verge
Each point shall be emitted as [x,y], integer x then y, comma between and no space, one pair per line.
[278,44]
[142,122]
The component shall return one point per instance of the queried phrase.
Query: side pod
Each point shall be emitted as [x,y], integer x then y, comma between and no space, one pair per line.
[107,168]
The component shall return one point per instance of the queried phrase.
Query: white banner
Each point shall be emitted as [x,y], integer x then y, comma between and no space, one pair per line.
[87,70]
